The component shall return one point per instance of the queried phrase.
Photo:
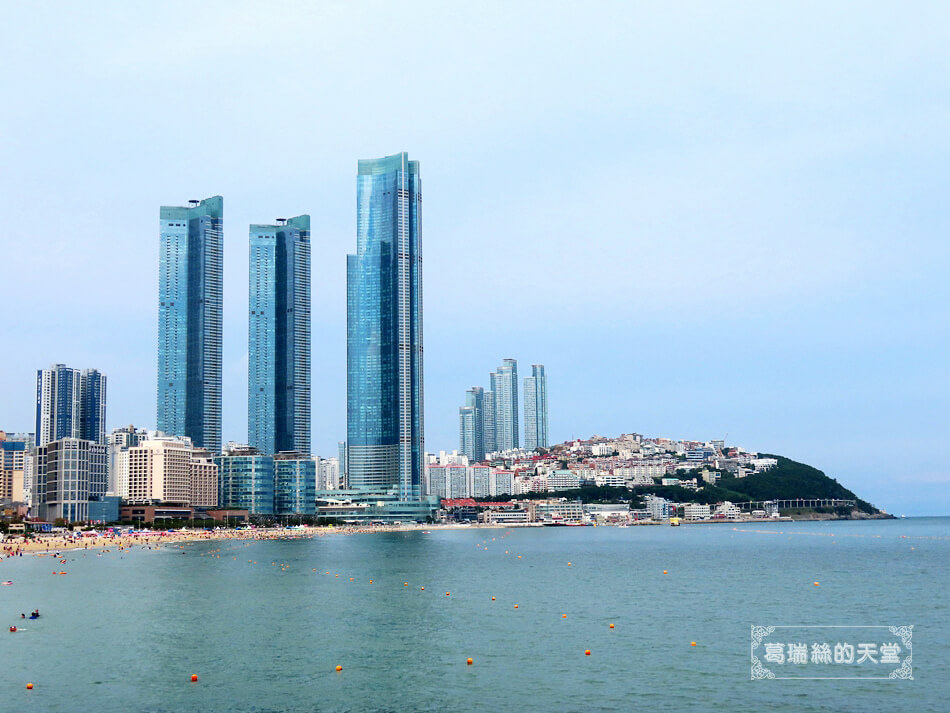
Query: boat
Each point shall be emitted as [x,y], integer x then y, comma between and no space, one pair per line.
[675,521]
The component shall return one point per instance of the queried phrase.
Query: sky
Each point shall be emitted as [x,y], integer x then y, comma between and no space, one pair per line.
[708,220]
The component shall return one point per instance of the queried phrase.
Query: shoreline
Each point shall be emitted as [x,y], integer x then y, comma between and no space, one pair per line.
[49,545]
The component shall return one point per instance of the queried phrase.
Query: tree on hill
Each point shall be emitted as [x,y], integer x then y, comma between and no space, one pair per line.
[790,479]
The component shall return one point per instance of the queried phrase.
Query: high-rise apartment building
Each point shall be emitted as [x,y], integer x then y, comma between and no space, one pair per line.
[118,441]
[278,342]
[468,430]
[504,383]
[14,464]
[488,422]
[384,330]
[472,425]
[536,408]
[190,281]
[167,470]
[328,474]
[70,403]
[68,472]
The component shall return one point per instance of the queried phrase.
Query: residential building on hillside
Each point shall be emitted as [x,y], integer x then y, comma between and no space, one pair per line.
[536,408]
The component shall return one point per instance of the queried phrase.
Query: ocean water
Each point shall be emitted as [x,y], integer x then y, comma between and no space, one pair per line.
[264,626]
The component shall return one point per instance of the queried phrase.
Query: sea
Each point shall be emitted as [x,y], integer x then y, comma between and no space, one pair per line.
[265,624]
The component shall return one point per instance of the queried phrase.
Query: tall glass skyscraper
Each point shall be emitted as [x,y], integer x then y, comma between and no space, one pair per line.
[278,337]
[536,408]
[504,383]
[472,425]
[70,404]
[384,399]
[189,321]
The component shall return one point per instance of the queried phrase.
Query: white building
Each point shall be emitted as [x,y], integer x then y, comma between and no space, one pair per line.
[728,510]
[120,439]
[166,469]
[328,474]
[502,482]
[693,511]
[610,480]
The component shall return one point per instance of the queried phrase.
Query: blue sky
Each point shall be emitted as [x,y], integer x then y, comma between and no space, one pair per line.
[703,218]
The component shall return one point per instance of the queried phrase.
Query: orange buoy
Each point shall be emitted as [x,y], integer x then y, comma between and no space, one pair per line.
[611,626]
[519,556]
[516,606]
[29,686]
[692,643]
[351,579]
[339,668]
[568,564]
[371,581]
[587,652]
[493,599]
[469,661]
[664,571]
[446,594]
[816,584]
[194,678]
[564,616]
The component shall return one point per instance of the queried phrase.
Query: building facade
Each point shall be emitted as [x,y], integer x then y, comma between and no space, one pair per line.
[536,408]
[384,330]
[68,472]
[118,441]
[504,383]
[190,282]
[246,480]
[278,370]
[472,425]
[295,484]
[14,464]
[70,403]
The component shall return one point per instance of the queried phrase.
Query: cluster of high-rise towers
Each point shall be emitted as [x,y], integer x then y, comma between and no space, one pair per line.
[489,422]
[384,448]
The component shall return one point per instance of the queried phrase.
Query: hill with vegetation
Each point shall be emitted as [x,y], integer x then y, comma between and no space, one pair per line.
[787,480]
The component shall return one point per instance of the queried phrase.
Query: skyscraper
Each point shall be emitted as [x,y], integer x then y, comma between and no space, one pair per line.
[189,321]
[488,422]
[504,383]
[468,431]
[70,404]
[278,337]
[384,409]
[472,425]
[536,408]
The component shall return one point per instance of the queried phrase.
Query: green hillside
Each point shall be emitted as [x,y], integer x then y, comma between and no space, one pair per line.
[790,479]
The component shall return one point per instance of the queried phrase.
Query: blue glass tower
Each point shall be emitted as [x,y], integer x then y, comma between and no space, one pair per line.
[189,321]
[70,404]
[384,394]
[278,337]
